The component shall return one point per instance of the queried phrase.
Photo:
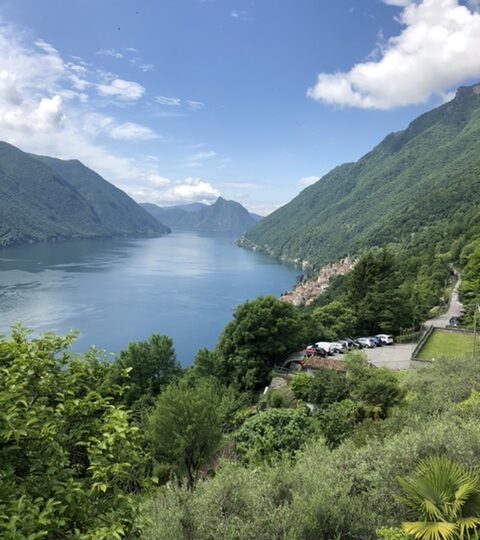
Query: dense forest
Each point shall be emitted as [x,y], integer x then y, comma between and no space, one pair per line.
[47,199]
[414,180]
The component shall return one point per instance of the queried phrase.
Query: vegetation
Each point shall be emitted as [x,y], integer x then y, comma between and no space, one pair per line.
[448,345]
[423,179]
[48,199]
[70,460]
[261,333]
[446,499]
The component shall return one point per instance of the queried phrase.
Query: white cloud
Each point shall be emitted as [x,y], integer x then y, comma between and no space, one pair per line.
[130,131]
[436,50]
[158,181]
[168,101]
[239,14]
[196,159]
[184,191]
[123,90]
[195,105]
[399,3]
[308,180]
[110,52]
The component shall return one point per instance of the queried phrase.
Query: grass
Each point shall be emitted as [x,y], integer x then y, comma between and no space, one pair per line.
[448,345]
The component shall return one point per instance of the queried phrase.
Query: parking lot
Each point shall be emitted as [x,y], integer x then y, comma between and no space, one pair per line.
[396,356]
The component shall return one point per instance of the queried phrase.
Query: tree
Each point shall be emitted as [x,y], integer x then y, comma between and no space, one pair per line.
[146,367]
[375,390]
[334,321]
[185,428]
[263,332]
[69,457]
[337,421]
[322,389]
[269,435]
[446,499]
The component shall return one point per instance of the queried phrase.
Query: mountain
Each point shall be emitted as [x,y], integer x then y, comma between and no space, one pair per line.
[44,198]
[425,177]
[221,216]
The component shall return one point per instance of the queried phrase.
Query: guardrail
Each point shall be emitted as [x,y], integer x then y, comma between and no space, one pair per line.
[421,342]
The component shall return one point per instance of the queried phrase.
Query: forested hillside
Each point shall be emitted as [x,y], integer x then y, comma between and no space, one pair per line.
[426,177]
[46,199]
[221,216]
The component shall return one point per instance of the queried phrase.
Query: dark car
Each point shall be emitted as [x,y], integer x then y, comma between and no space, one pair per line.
[453,321]
[312,350]
[352,344]
[378,341]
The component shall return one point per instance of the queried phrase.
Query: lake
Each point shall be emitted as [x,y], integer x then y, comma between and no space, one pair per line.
[184,285]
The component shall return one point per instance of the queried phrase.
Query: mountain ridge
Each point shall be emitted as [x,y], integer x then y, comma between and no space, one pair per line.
[48,199]
[411,180]
[221,216]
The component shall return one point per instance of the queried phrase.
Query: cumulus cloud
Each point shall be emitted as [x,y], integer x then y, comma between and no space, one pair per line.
[436,50]
[110,52]
[130,131]
[176,192]
[121,89]
[308,180]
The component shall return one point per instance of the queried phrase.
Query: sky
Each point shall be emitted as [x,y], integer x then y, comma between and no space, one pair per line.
[176,101]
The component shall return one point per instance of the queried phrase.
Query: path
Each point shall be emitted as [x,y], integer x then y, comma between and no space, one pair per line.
[454,309]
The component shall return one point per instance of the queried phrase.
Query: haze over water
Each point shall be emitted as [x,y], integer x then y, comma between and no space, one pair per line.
[184,285]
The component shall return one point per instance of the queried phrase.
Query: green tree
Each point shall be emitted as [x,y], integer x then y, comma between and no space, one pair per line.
[69,458]
[323,388]
[185,428]
[337,421]
[262,333]
[269,435]
[446,499]
[145,368]
[334,320]
[375,390]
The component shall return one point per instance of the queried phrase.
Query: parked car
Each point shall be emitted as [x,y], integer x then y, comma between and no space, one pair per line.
[378,341]
[327,346]
[346,344]
[367,342]
[338,347]
[453,321]
[312,350]
[386,339]
[352,344]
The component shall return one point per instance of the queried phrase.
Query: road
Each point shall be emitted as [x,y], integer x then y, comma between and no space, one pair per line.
[454,309]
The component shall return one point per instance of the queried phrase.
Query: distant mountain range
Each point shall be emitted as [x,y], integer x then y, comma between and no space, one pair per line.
[44,199]
[221,216]
[425,178]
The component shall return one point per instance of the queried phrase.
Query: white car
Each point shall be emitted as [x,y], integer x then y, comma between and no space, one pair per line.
[367,342]
[326,346]
[386,339]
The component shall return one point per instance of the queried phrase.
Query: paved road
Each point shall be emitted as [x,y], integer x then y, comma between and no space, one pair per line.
[396,356]
[454,309]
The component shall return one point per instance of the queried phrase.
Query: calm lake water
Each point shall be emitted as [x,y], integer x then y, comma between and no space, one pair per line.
[184,285]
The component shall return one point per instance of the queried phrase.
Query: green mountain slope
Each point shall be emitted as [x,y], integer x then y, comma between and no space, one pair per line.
[37,203]
[424,176]
[221,216]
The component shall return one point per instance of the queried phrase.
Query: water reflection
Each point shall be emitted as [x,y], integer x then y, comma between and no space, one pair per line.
[116,291]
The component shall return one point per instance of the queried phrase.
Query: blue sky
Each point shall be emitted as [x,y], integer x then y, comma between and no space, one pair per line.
[182,100]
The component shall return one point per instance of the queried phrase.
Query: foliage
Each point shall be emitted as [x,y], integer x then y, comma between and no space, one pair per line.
[333,321]
[323,388]
[445,498]
[262,332]
[391,533]
[417,186]
[273,434]
[337,421]
[375,390]
[69,458]
[145,367]
[348,492]
[185,429]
